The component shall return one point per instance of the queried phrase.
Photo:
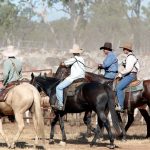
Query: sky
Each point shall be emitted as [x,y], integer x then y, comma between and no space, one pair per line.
[55,14]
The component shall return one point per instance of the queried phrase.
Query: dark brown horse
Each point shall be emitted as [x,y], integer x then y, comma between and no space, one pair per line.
[88,97]
[136,99]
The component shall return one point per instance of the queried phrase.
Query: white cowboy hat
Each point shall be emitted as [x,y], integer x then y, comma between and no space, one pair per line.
[10,51]
[76,49]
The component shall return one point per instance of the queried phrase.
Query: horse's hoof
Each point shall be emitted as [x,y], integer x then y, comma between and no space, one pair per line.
[51,141]
[62,143]
[123,140]
[111,146]
[13,146]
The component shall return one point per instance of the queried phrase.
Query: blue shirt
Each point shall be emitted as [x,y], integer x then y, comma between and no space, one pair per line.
[110,65]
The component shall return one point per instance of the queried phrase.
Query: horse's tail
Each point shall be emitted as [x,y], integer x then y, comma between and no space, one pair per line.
[111,106]
[38,114]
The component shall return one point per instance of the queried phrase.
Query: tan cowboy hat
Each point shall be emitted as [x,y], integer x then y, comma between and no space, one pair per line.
[127,46]
[76,49]
[10,51]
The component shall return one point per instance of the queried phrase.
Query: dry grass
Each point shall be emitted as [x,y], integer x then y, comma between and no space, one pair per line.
[135,139]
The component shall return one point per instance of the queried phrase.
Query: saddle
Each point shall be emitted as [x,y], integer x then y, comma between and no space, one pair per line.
[71,90]
[5,90]
[136,85]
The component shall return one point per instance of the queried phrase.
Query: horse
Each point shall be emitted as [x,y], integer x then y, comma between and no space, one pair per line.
[138,99]
[88,97]
[18,100]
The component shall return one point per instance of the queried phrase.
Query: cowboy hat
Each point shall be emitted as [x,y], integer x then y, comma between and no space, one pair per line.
[76,49]
[107,46]
[127,46]
[10,51]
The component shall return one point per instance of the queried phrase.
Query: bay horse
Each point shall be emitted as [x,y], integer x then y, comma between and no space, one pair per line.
[88,97]
[137,99]
[18,100]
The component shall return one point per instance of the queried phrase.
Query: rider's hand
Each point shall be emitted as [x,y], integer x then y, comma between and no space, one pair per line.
[100,66]
[119,75]
[62,64]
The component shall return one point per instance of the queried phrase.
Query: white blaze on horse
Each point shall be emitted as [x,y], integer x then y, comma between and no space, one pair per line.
[19,99]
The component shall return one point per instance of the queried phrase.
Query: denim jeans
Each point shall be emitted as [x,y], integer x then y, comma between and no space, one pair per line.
[59,90]
[126,80]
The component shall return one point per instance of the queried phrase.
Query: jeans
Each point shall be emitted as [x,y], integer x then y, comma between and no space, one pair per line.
[59,90]
[126,80]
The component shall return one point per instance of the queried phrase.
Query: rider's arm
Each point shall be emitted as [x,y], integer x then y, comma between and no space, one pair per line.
[109,61]
[6,70]
[69,61]
[130,61]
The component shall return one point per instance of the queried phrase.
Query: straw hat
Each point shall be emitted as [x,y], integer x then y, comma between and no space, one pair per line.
[76,49]
[127,46]
[107,46]
[10,51]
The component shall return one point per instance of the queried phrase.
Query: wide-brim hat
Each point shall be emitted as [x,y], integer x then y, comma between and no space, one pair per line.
[127,46]
[76,49]
[107,46]
[10,51]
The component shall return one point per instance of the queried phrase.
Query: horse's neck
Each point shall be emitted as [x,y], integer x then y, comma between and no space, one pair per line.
[62,72]
[96,77]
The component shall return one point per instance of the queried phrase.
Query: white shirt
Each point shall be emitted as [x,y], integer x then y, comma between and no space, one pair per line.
[77,68]
[132,65]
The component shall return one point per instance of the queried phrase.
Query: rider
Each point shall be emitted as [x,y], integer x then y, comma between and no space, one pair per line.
[110,63]
[127,75]
[77,71]
[12,67]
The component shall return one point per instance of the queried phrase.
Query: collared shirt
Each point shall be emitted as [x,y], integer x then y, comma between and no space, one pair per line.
[77,68]
[110,65]
[132,64]
[11,73]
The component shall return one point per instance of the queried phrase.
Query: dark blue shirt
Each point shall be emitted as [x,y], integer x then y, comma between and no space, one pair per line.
[110,65]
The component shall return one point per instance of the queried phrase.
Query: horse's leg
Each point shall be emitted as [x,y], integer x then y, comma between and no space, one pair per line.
[3,134]
[19,120]
[87,122]
[35,128]
[61,123]
[102,117]
[122,136]
[130,119]
[146,116]
[53,123]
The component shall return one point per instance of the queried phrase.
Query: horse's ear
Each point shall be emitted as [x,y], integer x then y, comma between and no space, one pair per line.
[32,75]
[40,74]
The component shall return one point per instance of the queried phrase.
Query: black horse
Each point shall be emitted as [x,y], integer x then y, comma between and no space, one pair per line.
[137,99]
[88,97]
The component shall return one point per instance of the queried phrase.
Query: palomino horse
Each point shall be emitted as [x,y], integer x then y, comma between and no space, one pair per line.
[18,100]
[88,97]
[137,99]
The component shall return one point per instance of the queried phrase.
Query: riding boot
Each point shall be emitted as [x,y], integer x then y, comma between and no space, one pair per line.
[119,109]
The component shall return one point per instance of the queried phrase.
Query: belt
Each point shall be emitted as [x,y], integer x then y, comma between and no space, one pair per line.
[133,72]
[112,71]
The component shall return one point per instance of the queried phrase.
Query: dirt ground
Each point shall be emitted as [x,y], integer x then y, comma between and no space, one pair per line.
[135,139]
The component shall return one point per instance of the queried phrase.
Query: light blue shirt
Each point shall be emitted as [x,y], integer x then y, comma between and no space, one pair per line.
[110,65]
[10,72]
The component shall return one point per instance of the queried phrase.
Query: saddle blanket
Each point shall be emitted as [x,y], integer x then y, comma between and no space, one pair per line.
[132,88]
[138,87]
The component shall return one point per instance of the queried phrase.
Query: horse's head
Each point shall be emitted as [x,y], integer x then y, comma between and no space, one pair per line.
[34,81]
[62,72]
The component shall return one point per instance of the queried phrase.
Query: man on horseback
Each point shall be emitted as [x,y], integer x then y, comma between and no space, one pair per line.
[127,75]
[12,68]
[110,63]
[77,71]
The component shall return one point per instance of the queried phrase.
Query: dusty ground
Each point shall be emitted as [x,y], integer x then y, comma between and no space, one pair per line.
[135,139]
